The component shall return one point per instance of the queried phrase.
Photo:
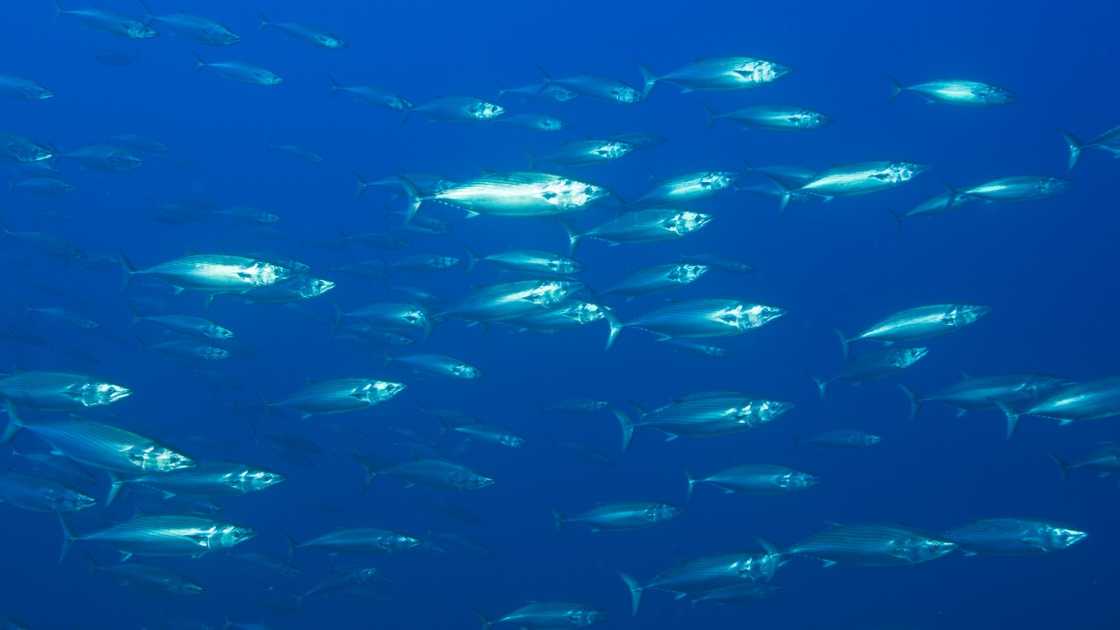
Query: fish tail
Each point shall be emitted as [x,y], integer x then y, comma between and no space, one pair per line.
[574,237]
[615,324]
[558,520]
[899,216]
[414,198]
[896,87]
[1012,419]
[363,184]
[692,481]
[649,79]
[844,341]
[627,426]
[486,623]
[1063,466]
[713,115]
[199,62]
[290,545]
[335,85]
[15,423]
[1075,146]
[262,20]
[547,78]
[786,196]
[67,538]
[912,398]
[635,592]
[471,260]
[128,269]
[822,386]
[115,485]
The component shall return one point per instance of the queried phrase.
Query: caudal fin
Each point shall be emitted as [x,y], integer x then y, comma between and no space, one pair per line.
[558,520]
[128,269]
[912,398]
[1063,466]
[199,62]
[627,426]
[844,341]
[15,423]
[486,623]
[649,79]
[115,485]
[414,198]
[635,592]
[363,184]
[1012,419]
[822,386]
[574,237]
[67,538]
[896,87]
[335,85]
[692,481]
[1074,146]
[712,114]
[263,21]
[615,324]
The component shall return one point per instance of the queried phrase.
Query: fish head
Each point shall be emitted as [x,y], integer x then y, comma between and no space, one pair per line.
[212,353]
[400,104]
[466,371]
[612,150]
[315,287]
[766,411]
[229,536]
[1062,537]
[582,617]
[687,273]
[416,317]
[548,123]
[965,314]
[753,71]
[909,356]
[799,480]
[251,480]
[558,93]
[188,588]
[901,172]
[585,312]
[483,110]
[98,394]
[75,501]
[373,392]
[1052,185]
[660,512]
[869,439]
[625,94]
[139,30]
[328,41]
[755,315]
[807,119]
[159,459]
[686,222]
[219,332]
[261,273]
[563,266]
[401,542]
[917,550]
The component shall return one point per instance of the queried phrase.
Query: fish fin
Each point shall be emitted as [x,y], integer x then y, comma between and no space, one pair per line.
[649,79]
[199,62]
[127,555]
[363,184]
[1065,422]
[128,269]
[712,114]
[692,481]
[262,20]
[912,398]
[615,325]
[844,341]
[1075,147]
[670,437]
[1012,418]
[969,554]
[115,485]
[828,564]
[822,386]
[470,214]
[290,545]
[896,87]
[15,423]
[627,426]
[635,592]
[558,520]
[574,237]
[167,494]
[335,85]
[486,623]
[67,538]
[1062,465]
[414,198]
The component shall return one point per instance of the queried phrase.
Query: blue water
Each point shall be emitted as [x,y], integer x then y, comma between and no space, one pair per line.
[1046,268]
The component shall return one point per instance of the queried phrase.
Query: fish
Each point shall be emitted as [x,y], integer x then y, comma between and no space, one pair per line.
[101,446]
[214,274]
[874,364]
[718,262]
[459,109]
[701,319]
[513,300]
[919,323]
[191,349]
[150,576]
[23,89]
[956,92]
[41,495]
[288,291]
[308,34]
[426,262]
[1009,393]
[248,215]
[858,179]
[45,186]
[580,405]
[756,479]
[1013,537]
[539,122]
[622,516]
[1105,459]
[24,150]
[439,364]
[873,545]
[702,575]
[598,150]
[1094,400]
[551,615]
[717,73]
[105,157]
[1109,142]
[187,325]
[59,391]
[845,438]
[517,194]
[657,278]
[62,316]
[705,349]
[702,415]
[120,25]
[362,540]
[239,71]
[777,118]
[435,473]
[340,396]
[689,187]
[205,479]
[642,226]
[488,434]
[570,314]
[54,466]
[596,87]
[738,594]
[294,150]
[542,89]
[397,317]
[350,580]
[372,96]
[200,29]
[533,261]
[162,536]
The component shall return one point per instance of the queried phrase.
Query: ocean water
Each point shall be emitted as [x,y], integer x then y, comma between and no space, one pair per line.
[1045,267]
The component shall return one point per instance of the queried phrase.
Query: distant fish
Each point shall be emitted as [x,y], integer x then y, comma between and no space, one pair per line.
[598,150]
[533,261]
[59,391]
[1013,537]
[542,89]
[873,545]
[702,319]
[363,540]
[689,187]
[956,92]
[42,186]
[772,117]
[551,615]
[41,495]
[718,73]
[459,109]
[105,157]
[23,89]
[191,349]
[1109,142]
[200,29]
[517,194]
[398,317]
[24,150]
[140,144]
[874,364]
[657,278]
[622,516]
[163,536]
[439,364]
[63,316]
[756,479]
[308,34]
[117,58]
[340,396]
[151,577]
[703,415]
[922,322]
[596,87]
[239,71]
[489,434]
[643,226]
[188,325]
[1104,459]
[845,438]
[539,122]
[435,473]
[373,96]
[346,581]
[297,151]
[109,22]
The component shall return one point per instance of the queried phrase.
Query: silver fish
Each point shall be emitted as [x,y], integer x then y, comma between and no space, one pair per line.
[459,109]
[41,495]
[215,273]
[1095,400]
[24,89]
[372,96]
[550,615]
[533,261]
[293,290]
[109,22]
[210,478]
[657,278]
[398,317]
[702,319]
[921,322]
[1013,537]
[596,87]
[704,414]
[436,473]
[599,150]
[859,179]
[873,545]
[1105,459]
[363,540]
[873,364]
[59,391]
[188,325]
[24,150]
[718,73]
[643,226]
[621,516]
[957,92]
[689,187]
[489,434]
[756,479]
[239,71]
[513,300]
[341,396]
[308,34]
[1010,393]
[200,29]
[772,117]
[542,89]
[159,536]
[439,364]
[518,194]
[1018,188]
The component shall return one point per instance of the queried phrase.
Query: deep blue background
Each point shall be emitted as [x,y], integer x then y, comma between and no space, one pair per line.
[1047,269]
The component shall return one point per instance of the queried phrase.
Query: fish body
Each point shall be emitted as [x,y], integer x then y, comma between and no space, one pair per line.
[373,96]
[540,122]
[570,314]
[513,300]
[845,438]
[542,89]
[597,87]
[304,33]
[774,117]
[705,414]
[862,178]
[644,226]
[534,261]
[345,581]
[120,25]
[1013,536]
[24,150]
[165,536]
[460,109]
[518,194]
[1018,188]
[719,73]
[737,594]
[104,157]
[41,495]
[622,516]
[363,540]
[62,316]
[396,317]
[689,187]
[1088,401]
[922,322]
[200,29]
[439,364]
[216,273]
[24,89]
[188,325]
[59,391]
[240,71]
[1104,459]
[757,479]
[958,92]
[151,576]
[436,473]
[702,575]
[657,278]
[875,364]
[191,349]
[551,615]
[425,262]
[341,396]
[206,479]
[873,545]
[288,291]
[595,151]
[499,436]
[702,319]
